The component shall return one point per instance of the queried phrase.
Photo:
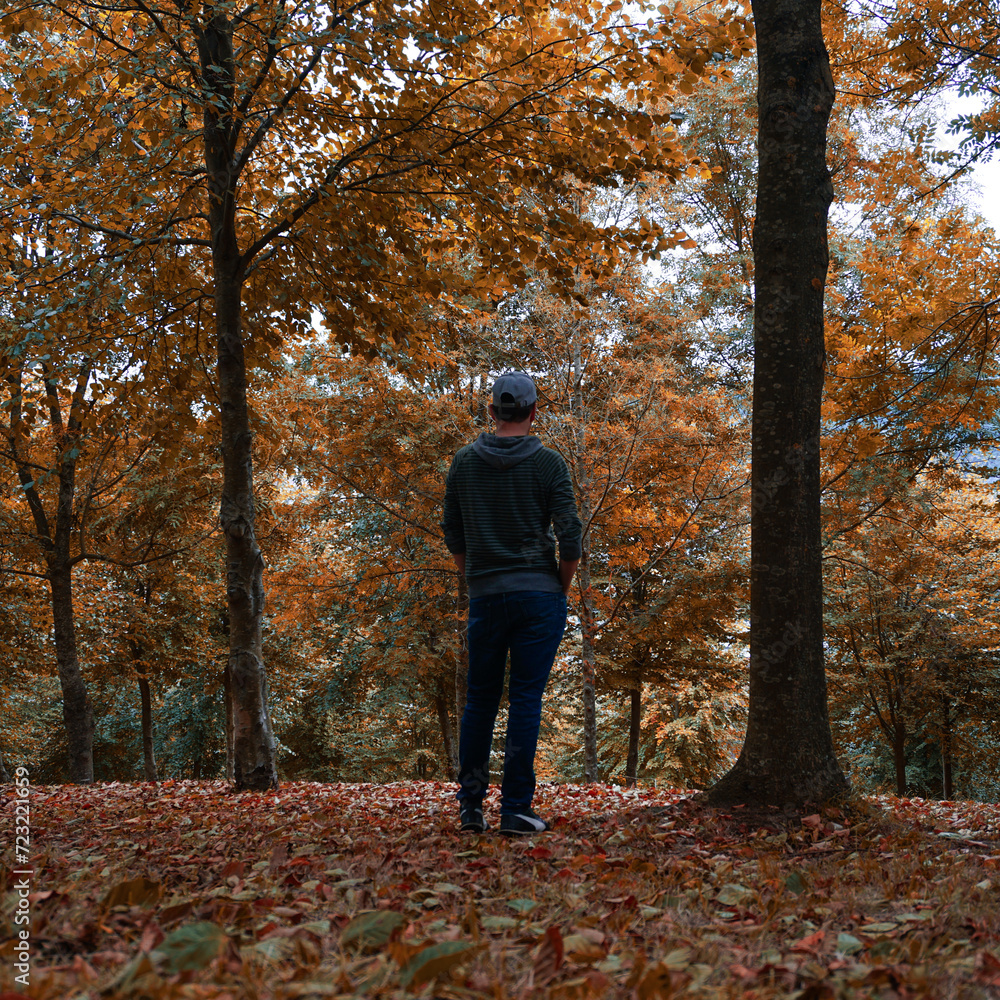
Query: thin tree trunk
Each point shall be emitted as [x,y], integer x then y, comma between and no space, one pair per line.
[148,756]
[788,756]
[462,660]
[634,726]
[587,652]
[447,737]
[145,590]
[947,785]
[4,773]
[588,667]
[254,752]
[227,690]
[899,757]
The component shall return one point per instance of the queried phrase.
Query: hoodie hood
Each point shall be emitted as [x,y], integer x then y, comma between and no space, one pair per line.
[505,452]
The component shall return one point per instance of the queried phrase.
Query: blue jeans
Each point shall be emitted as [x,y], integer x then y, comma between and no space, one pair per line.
[528,624]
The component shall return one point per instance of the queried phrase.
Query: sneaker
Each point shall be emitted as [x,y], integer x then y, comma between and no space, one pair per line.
[473,820]
[523,821]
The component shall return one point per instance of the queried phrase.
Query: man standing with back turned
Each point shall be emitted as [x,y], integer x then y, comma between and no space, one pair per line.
[504,496]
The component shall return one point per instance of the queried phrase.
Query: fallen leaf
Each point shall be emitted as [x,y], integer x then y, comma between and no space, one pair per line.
[432,961]
[135,892]
[372,929]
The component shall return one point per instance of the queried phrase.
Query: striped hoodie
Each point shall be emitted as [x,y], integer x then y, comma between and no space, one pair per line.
[503,498]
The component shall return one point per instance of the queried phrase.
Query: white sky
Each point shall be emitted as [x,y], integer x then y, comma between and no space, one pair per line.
[987,179]
[986,176]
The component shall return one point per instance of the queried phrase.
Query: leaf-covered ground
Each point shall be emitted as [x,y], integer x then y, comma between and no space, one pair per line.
[188,890]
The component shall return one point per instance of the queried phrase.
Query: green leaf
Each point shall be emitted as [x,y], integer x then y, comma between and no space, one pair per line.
[734,895]
[275,949]
[523,905]
[432,961]
[494,923]
[372,929]
[319,927]
[795,883]
[191,948]
[848,944]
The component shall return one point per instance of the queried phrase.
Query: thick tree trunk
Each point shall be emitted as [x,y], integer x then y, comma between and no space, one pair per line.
[78,714]
[788,757]
[254,764]
[634,728]
[254,754]
[148,756]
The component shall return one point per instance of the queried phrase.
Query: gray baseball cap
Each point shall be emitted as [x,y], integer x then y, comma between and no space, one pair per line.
[511,391]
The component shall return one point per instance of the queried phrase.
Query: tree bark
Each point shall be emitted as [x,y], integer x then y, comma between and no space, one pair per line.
[227,693]
[54,536]
[144,589]
[634,726]
[788,756]
[254,749]
[899,756]
[78,713]
[587,652]
[148,756]
[447,737]
[947,781]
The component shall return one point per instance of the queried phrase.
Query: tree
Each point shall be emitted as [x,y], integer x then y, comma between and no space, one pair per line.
[652,447]
[788,754]
[370,562]
[910,371]
[913,625]
[69,449]
[909,52]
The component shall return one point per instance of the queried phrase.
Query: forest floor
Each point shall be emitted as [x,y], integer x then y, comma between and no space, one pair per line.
[185,889]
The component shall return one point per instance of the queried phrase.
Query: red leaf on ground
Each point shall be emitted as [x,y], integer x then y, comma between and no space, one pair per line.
[987,969]
[810,945]
[279,855]
[549,958]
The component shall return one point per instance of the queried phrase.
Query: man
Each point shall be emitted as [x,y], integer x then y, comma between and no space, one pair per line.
[504,495]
